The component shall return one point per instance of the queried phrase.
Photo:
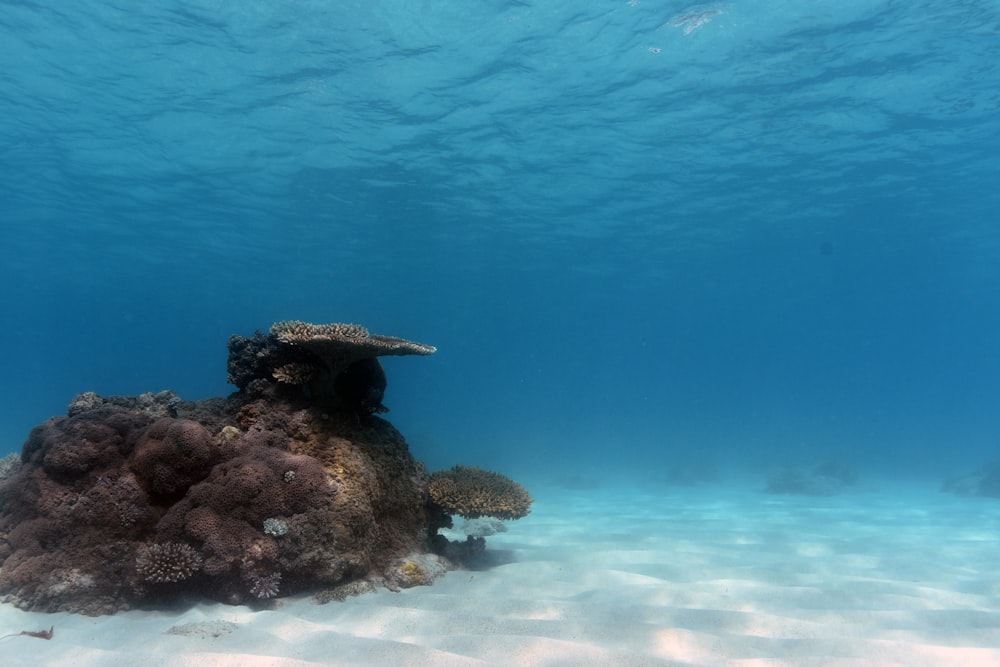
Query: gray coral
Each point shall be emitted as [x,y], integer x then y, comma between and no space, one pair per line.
[275,527]
[266,587]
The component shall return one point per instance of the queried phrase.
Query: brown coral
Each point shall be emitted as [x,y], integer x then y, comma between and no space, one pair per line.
[473,492]
[173,454]
[286,488]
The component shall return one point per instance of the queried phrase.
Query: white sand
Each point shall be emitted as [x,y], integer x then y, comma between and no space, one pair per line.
[716,575]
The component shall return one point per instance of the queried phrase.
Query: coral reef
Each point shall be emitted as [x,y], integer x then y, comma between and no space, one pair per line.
[334,364]
[473,492]
[108,503]
[291,484]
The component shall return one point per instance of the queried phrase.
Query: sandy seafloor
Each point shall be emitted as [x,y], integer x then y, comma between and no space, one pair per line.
[722,574]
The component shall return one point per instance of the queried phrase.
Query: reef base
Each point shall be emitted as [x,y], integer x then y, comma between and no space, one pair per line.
[135,501]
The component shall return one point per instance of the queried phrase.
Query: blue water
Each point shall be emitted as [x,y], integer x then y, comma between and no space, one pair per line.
[640,233]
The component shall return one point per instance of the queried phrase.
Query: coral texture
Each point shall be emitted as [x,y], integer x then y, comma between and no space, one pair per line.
[266,586]
[334,364]
[340,345]
[133,501]
[9,465]
[242,500]
[473,492]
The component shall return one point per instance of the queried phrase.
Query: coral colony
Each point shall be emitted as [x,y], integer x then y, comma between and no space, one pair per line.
[291,484]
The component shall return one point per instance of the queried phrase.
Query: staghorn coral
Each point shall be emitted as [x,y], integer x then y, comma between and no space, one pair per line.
[473,492]
[167,563]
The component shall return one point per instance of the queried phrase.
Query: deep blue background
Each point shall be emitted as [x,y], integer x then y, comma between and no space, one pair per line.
[772,239]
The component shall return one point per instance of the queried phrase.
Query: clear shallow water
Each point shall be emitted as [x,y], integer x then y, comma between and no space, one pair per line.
[756,233]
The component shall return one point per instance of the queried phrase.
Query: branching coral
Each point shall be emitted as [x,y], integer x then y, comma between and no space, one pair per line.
[473,492]
[168,562]
[266,587]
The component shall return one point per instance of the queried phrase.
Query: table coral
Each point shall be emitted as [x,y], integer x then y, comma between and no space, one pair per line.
[335,364]
[473,492]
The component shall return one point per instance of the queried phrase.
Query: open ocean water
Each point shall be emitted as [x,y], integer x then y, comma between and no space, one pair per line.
[645,236]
